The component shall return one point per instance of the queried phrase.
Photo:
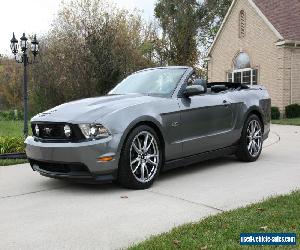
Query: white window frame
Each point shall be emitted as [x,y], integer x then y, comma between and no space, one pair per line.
[241,71]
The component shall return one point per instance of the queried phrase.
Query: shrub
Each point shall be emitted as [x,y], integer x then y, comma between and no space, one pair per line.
[10,115]
[275,113]
[292,111]
[11,145]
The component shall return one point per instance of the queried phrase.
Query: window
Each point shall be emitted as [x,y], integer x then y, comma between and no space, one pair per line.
[254,76]
[229,77]
[237,77]
[242,71]
[246,76]
[242,61]
[242,24]
[159,81]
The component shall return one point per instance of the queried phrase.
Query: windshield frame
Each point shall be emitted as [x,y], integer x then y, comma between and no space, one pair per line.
[183,76]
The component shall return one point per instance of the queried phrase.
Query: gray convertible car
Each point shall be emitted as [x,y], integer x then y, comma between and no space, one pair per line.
[155,119]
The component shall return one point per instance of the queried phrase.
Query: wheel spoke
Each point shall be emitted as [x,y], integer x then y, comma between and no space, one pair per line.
[255,146]
[151,156]
[138,150]
[250,145]
[254,138]
[147,171]
[139,142]
[152,162]
[144,156]
[135,160]
[143,172]
[137,167]
[252,148]
[149,144]
[145,141]
[257,133]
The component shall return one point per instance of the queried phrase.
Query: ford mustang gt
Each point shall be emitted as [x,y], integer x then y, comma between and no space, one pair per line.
[155,119]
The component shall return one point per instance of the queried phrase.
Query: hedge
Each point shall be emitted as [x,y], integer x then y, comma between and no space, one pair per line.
[11,145]
[292,111]
[275,113]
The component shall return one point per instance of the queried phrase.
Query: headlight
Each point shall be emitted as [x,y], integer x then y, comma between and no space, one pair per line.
[37,130]
[94,131]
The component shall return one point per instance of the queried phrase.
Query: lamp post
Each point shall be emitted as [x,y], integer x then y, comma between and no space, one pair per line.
[25,60]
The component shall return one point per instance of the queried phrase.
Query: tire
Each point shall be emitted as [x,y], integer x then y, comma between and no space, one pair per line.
[251,140]
[139,166]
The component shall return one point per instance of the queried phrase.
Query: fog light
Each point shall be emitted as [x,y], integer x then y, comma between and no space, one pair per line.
[67,130]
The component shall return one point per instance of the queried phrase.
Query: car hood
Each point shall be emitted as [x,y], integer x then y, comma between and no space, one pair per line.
[91,109]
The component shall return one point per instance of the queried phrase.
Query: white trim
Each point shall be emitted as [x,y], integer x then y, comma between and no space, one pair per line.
[242,71]
[269,24]
[288,42]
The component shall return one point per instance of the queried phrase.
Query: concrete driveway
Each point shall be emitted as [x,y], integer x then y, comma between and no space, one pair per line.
[41,213]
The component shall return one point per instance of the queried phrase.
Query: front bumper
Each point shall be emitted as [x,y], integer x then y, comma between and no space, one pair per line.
[77,161]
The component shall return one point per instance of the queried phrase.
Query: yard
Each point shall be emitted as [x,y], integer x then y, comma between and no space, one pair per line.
[280,214]
[292,121]
[11,129]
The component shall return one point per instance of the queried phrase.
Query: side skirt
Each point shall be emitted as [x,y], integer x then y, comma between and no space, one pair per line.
[189,160]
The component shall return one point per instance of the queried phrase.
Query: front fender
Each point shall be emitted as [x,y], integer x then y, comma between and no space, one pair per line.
[136,122]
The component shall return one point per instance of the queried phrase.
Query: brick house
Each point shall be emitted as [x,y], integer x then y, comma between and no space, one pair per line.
[259,42]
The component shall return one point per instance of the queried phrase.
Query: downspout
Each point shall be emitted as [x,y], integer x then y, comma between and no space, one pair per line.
[291,75]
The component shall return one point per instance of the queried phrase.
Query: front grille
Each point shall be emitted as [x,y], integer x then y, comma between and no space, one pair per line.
[55,132]
[62,168]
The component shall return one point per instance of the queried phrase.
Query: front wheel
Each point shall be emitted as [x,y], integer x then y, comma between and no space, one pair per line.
[251,140]
[141,158]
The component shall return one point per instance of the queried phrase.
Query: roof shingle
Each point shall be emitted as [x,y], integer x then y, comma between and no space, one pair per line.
[284,15]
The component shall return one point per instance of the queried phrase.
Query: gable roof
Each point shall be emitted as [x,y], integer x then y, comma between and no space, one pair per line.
[276,14]
[284,15]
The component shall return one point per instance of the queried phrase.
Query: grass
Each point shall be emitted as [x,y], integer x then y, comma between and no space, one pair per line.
[278,214]
[292,121]
[9,162]
[12,128]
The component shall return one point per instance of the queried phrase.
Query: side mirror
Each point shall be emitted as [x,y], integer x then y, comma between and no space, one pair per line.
[193,90]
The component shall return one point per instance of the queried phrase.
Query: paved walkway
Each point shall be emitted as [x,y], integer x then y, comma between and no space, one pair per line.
[41,213]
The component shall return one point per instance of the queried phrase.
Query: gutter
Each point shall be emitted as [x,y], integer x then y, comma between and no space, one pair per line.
[288,43]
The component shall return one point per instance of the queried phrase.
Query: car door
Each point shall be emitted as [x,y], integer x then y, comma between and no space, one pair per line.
[206,122]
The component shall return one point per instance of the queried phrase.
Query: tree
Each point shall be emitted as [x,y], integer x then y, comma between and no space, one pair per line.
[10,83]
[214,12]
[91,47]
[179,20]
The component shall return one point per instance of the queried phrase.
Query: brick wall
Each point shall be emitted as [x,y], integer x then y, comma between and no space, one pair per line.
[259,44]
[296,75]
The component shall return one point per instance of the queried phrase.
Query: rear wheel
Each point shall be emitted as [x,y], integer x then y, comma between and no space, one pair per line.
[251,140]
[141,159]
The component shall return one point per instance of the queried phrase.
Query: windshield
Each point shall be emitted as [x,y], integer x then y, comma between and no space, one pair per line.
[153,81]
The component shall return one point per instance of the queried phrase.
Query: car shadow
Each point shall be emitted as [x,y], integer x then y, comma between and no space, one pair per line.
[198,167]
[115,188]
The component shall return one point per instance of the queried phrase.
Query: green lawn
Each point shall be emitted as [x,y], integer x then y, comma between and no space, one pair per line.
[9,162]
[279,214]
[293,121]
[12,128]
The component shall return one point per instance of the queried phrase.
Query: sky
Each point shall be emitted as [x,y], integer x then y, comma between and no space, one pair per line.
[36,16]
